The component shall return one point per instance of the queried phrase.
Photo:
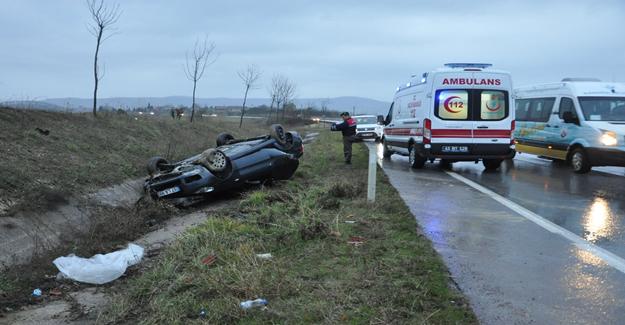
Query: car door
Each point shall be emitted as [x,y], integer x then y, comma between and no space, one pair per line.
[492,116]
[452,121]
[562,134]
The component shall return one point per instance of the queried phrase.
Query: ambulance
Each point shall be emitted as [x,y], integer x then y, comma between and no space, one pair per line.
[461,112]
[578,120]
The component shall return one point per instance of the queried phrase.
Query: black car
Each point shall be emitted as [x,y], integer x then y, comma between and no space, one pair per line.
[232,164]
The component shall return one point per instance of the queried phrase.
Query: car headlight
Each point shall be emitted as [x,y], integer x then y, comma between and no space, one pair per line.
[608,139]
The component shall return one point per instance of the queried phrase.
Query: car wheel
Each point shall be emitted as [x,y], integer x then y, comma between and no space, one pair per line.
[386,153]
[579,161]
[277,133]
[214,160]
[224,139]
[155,165]
[415,160]
[491,164]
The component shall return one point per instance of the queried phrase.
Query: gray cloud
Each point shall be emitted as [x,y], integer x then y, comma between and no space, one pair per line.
[329,48]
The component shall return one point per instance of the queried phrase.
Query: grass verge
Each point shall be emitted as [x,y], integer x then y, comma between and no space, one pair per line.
[316,275]
[72,153]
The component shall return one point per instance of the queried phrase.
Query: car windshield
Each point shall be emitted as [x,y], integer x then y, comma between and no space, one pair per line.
[603,108]
[366,120]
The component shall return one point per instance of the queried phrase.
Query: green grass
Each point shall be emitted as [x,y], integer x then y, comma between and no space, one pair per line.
[83,153]
[315,276]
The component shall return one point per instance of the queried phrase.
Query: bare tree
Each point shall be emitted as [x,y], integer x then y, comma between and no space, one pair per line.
[103,17]
[287,94]
[275,91]
[249,77]
[196,64]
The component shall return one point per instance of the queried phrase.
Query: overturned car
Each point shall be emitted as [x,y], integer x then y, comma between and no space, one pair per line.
[232,164]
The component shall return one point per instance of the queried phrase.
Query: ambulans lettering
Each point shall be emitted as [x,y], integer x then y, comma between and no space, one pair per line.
[472,81]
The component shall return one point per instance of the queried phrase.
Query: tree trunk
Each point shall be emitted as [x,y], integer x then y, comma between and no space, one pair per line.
[273,100]
[193,102]
[243,108]
[95,73]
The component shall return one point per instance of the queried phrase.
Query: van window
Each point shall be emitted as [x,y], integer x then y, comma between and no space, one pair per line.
[535,109]
[493,105]
[471,104]
[522,109]
[566,105]
[603,108]
[453,104]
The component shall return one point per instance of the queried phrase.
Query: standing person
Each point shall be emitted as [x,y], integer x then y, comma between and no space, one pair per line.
[348,128]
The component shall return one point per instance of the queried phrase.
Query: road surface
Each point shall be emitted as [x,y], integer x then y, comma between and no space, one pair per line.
[532,243]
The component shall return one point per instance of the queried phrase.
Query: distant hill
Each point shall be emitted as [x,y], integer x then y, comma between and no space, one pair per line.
[32,104]
[362,105]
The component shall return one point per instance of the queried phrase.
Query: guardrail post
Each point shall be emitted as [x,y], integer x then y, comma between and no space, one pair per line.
[373,157]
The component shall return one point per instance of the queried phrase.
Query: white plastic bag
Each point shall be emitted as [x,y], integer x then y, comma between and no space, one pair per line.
[99,268]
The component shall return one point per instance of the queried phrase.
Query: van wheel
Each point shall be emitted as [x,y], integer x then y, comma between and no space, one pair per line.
[491,164]
[579,161]
[416,161]
[386,152]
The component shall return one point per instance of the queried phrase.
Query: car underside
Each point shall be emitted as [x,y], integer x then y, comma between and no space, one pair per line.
[232,164]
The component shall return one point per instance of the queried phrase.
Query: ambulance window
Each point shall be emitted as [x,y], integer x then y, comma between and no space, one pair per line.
[522,109]
[452,104]
[493,105]
[566,105]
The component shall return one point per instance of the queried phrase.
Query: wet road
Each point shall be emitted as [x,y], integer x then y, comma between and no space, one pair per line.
[513,270]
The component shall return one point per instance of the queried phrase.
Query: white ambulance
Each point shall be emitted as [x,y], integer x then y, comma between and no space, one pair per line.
[462,112]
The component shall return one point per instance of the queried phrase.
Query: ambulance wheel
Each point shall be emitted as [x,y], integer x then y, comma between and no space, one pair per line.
[445,164]
[386,153]
[491,164]
[415,160]
[579,161]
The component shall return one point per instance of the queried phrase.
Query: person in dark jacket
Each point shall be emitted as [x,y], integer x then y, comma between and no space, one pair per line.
[348,128]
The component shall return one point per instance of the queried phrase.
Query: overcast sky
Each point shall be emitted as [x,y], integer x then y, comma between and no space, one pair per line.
[328,48]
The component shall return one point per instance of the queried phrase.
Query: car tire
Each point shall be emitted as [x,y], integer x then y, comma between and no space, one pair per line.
[579,161]
[415,160]
[491,164]
[277,133]
[214,160]
[155,165]
[386,152]
[224,139]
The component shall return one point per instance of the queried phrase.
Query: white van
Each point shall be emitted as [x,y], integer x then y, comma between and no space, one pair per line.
[462,112]
[581,121]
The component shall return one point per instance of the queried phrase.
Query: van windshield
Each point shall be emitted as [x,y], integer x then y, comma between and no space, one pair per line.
[603,108]
[366,120]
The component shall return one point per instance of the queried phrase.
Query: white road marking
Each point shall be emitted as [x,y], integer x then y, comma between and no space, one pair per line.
[532,159]
[605,255]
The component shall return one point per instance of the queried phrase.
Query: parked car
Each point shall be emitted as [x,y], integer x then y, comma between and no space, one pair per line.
[232,164]
[368,127]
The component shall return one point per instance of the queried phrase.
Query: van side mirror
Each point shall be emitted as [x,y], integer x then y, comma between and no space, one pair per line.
[381,119]
[568,117]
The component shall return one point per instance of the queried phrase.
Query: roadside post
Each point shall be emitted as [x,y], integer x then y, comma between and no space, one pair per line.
[373,157]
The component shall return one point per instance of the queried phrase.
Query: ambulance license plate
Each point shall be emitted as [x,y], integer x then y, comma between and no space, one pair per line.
[168,191]
[456,149]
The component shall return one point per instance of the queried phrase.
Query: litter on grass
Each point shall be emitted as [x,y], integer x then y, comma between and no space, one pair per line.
[99,269]
[266,256]
[209,260]
[356,240]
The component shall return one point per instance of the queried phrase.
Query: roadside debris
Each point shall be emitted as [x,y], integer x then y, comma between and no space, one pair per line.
[202,313]
[253,303]
[99,269]
[209,260]
[266,256]
[37,293]
[356,240]
[56,292]
[350,221]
